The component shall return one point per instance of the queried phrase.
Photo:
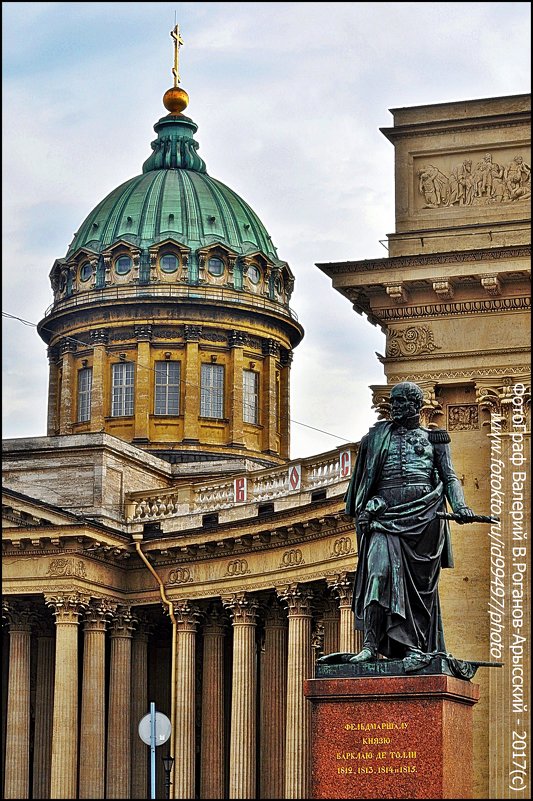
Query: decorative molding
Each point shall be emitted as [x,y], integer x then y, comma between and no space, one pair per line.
[397,292]
[399,262]
[412,341]
[491,284]
[179,575]
[468,373]
[464,307]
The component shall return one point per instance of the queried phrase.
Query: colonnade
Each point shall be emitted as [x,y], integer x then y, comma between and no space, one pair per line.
[242,724]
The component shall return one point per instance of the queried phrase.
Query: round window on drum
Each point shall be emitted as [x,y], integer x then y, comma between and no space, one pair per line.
[123,265]
[215,266]
[168,263]
[254,274]
[86,271]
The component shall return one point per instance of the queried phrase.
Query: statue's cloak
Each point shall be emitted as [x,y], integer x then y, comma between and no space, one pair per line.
[418,545]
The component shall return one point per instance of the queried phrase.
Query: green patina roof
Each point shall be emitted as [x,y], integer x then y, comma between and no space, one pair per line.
[174,198]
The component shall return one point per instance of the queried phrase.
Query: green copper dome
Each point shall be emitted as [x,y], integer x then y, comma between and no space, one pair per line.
[174,198]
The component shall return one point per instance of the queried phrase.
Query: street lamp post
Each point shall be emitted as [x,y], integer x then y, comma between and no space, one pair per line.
[168,761]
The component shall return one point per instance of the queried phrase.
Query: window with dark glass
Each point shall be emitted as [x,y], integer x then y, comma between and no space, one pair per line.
[123,265]
[122,375]
[85,382]
[215,266]
[168,263]
[250,399]
[86,270]
[167,388]
[212,391]
[253,274]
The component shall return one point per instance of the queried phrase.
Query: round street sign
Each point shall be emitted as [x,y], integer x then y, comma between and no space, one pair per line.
[162,729]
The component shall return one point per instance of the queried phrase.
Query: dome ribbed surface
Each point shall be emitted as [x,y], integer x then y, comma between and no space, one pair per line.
[174,198]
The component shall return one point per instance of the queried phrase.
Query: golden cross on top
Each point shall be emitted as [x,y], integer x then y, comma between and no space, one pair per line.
[178,41]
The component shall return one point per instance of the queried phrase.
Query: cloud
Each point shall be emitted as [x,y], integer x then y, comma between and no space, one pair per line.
[289,99]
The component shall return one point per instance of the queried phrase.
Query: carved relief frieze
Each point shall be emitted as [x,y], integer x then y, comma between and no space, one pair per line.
[292,558]
[463,417]
[475,182]
[342,546]
[412,341]
[179,575]
[237,567]
[67,567]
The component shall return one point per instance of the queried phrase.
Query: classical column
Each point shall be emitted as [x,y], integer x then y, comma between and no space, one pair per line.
[139,707]
[350,640]
[299,667]
[269,397]
[242,771]
[212,741]
[186,615]
[17,766]
[143,380]
[119,706]
[44,706]
[92,729]
[52,426]
[68,389]
[273,701]
[192,384]
[67,608]
[237,340]
[99,397]
[331,625]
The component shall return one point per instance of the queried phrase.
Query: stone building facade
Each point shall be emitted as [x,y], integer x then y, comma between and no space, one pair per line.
[179,556]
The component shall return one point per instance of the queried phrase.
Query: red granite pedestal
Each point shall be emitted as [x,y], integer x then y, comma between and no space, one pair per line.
[391,737]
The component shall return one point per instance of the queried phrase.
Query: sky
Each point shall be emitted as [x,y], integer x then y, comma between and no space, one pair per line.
[288,98]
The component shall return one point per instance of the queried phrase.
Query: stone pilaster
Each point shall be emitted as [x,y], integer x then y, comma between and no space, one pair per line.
[92,729]
[299,667]
[119,714]
[269,397]
[285,403]
[44,706]
[68,391]
[143,380]
[139,705]
[186,615]
[191,406]
[237,340]
[67,608]
[242,768]
[99,338]
[212,743]
[350,640]
[273,703]
[52,426]
[16,778]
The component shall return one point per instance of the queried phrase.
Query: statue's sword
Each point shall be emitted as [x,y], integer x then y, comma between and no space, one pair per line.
[473,519]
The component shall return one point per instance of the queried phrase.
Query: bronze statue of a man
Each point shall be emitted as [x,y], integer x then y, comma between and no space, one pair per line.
[402,477]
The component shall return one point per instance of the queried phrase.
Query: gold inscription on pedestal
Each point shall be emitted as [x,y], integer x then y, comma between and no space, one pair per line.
[362,758]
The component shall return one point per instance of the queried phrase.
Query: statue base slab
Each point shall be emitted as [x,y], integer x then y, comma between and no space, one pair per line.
[391,736]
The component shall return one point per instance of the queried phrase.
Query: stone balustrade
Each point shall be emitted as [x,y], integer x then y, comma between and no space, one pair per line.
[201,497]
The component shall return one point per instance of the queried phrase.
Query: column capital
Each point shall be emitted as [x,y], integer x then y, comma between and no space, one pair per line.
[237,339]
[214,617]
[19,615]
[242,608]
[143,332]
[298,599]
[187,615]
[270,347]
[341,585]
[275,614]
[192,333]
[98,614]
[67,345]
[67,606]
[99,336]
[122,622]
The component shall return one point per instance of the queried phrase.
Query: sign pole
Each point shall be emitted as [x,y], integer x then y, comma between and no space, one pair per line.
[152,749]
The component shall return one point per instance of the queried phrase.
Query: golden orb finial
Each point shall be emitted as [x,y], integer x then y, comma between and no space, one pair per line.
[176,99]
